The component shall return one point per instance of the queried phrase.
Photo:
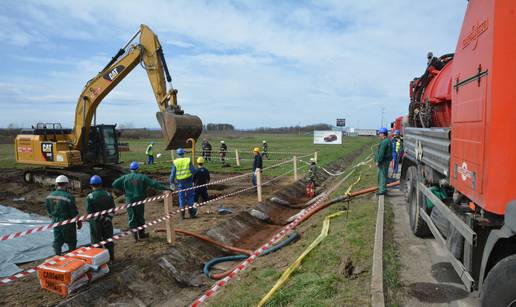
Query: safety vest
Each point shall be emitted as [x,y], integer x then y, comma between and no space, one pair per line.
[398,146]
[182,168]
[149,152]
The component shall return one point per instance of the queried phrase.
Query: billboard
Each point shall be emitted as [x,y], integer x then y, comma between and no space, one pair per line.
[341,122]
[328,137]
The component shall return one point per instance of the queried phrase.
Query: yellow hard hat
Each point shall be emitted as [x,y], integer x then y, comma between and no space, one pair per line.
[200,160]
[256,149]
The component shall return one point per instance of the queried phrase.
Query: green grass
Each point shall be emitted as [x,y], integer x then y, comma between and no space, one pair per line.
[277,143]
[7,158]
[245,144]
[319,280]
[392,264]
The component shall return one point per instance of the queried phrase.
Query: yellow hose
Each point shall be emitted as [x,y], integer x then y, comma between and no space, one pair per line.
[284,277]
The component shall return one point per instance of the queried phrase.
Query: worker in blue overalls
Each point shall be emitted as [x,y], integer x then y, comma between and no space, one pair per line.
[181,175]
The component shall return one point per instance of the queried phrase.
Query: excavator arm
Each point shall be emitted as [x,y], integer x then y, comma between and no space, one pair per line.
[176,126]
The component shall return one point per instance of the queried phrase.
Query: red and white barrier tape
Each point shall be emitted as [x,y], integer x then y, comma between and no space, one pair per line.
[164,218]
[278,236]
[245,264]
[86,217]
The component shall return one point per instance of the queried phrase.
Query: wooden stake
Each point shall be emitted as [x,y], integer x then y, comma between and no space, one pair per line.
[258,173]
[171,233]
[315,156]
[295,168]
[237,157]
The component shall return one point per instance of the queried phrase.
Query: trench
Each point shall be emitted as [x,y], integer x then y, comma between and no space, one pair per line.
[174,278]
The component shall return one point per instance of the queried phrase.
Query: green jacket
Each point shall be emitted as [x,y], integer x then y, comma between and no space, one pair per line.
[60,206]
[135,186]
[384,153]
[99,200]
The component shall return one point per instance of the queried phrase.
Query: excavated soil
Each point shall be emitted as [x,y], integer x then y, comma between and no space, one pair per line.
[152,272]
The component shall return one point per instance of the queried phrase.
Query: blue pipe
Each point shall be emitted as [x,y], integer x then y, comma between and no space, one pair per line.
[207,266]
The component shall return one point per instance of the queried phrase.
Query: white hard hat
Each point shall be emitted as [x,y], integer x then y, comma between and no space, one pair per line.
[264,141]
[222,142]
[62,179]
[312,160]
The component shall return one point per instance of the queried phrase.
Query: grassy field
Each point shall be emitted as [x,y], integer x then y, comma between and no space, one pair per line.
[281,147]
[321,279]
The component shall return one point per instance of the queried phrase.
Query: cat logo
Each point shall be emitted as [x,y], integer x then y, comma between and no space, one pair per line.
[113,73]
[47,151]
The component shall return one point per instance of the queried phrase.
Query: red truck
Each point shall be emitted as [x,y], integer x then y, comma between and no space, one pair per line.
[459,166]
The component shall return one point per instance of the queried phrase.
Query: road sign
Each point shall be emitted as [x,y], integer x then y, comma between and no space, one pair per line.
[341,122]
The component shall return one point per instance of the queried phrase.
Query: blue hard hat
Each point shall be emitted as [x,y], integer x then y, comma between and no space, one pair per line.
[383,130]
[95,180]
[134,166]
[397,132]
[180,151]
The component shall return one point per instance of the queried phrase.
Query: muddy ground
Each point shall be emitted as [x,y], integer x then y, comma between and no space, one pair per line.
[152,272]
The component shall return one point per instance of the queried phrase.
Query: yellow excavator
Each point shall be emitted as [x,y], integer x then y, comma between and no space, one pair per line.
[90,148]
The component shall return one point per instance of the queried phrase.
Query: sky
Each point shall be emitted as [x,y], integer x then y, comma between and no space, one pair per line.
[248,63]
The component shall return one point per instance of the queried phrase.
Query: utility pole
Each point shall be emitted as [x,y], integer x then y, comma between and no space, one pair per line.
[383,111]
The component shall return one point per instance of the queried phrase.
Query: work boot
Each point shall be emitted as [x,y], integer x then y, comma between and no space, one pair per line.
[183,215]
[143,234]
[136,236]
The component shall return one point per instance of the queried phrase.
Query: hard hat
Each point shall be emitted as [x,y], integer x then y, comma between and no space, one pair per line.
[134,166]
[397,132]
[222,142]
[429,55]
[312,160]
[264,141]
[200,160]
[256,149]
[62,179]
[383,130]
[180,151]
[95,180]
[152,143]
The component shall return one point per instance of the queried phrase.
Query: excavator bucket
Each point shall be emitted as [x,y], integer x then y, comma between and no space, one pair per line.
[176,129]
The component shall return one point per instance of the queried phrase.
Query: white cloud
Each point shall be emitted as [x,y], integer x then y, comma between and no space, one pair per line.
[251,63]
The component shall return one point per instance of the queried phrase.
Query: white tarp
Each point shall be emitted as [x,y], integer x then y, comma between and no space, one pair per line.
[328,137]
[32,247]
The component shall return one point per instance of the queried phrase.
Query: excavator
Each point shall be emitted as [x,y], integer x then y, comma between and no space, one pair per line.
[90,148]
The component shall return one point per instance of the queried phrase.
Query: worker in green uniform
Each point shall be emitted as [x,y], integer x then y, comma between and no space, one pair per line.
[383,159]
[101,227]
[60,206]
[135,187]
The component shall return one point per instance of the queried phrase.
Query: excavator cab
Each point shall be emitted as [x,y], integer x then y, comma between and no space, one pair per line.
[178,127]
[102,146]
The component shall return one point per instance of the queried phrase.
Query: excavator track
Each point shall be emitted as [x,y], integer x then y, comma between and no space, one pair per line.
[79,176]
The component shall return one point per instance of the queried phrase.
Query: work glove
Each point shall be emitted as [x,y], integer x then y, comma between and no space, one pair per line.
[79,225]
[172,187]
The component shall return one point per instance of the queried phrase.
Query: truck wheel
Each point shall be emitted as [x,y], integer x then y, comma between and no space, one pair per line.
[417,225]
[498,288]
